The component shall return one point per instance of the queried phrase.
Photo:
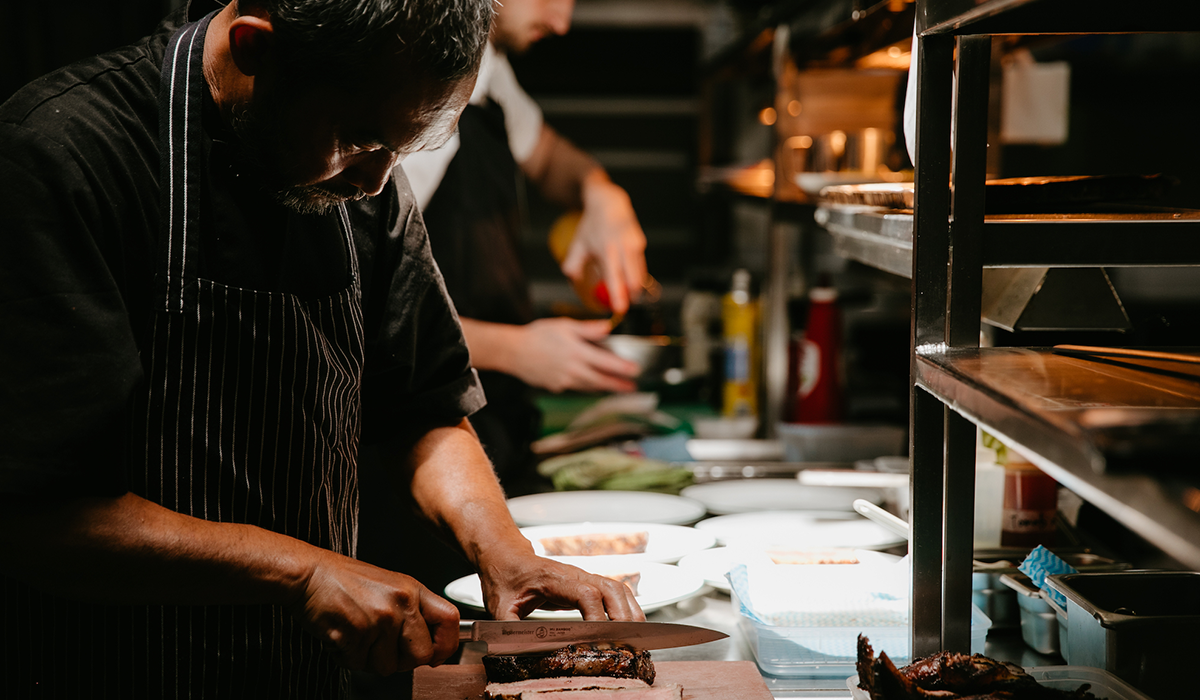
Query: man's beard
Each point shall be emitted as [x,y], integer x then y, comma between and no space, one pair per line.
[256,127]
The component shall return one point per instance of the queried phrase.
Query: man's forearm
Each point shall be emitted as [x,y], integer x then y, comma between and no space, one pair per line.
[130,550]
[453,484]
[492,345]
[561,170]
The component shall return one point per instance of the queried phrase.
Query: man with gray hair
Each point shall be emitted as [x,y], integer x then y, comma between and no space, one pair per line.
[211,303]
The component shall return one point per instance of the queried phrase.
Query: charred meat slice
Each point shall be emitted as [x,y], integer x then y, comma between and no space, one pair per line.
[951,676]
[598,659]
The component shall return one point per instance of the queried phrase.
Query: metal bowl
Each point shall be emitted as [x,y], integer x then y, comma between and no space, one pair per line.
[653,354]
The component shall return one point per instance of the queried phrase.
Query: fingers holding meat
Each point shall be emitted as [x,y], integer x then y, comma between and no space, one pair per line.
[552,585]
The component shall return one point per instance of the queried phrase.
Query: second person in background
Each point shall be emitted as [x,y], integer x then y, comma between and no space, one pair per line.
[468,192]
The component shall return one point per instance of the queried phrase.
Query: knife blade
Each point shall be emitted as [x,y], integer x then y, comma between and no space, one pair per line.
[524,636]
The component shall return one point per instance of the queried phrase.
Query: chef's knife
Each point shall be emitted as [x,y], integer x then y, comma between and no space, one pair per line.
[523,636]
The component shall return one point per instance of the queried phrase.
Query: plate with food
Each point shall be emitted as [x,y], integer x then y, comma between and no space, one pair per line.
[604,506]
[796,530]
[654,585]
[713,564]
[750,495]
[616,542]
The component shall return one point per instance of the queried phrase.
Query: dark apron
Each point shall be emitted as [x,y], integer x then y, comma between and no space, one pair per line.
[250,415]
[474,222]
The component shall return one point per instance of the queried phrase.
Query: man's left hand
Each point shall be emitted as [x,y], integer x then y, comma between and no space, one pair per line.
[533,582]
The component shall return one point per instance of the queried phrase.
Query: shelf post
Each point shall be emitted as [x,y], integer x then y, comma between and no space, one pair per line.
[930,261]
[968,175]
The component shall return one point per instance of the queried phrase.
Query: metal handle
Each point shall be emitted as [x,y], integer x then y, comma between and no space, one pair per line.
[874,513]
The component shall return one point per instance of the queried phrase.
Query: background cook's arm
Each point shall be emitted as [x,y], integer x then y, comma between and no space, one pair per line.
[608,231]
[557,354]
[130,550]
[453,484]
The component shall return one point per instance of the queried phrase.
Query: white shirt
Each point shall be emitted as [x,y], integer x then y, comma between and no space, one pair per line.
[522,121]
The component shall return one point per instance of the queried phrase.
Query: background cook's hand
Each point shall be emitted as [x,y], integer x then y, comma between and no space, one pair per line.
[559,354]
[519,586]
[376,620]
[609,235]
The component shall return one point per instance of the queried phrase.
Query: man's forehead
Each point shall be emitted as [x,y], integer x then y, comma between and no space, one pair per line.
[433,112]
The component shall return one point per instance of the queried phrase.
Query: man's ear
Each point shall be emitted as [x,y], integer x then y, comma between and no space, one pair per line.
[251,43]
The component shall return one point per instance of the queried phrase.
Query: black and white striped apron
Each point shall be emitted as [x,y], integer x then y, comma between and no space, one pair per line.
[252,417]
[250,414]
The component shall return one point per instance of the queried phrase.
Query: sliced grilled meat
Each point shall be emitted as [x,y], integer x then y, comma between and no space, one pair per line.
[598,659]
[950,676]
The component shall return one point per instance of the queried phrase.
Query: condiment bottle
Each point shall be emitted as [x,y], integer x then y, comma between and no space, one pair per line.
[818,397]
[739,315]
[1030,504]
[592,290]
[989,496]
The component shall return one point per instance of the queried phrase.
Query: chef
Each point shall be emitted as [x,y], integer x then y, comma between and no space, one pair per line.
[210,295]
[468,193]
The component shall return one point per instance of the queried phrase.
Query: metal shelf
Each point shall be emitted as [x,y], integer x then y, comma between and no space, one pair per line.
[1085,423]
[882,238]
[1057,17]
[953,241]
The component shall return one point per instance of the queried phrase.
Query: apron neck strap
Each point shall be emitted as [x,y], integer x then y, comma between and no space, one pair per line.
[180,102]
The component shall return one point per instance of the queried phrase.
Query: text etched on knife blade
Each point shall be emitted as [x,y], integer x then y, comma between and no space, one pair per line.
[541,632]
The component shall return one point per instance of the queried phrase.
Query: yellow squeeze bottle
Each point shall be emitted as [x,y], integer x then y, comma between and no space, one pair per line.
[739,314]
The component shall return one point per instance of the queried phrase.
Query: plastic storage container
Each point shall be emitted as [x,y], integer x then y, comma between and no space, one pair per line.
[1039,624]
[833,651]
[1140,625]
[840,442]
[1103,685]
[1002,601]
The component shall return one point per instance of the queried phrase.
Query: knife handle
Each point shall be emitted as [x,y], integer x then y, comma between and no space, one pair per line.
[466,631]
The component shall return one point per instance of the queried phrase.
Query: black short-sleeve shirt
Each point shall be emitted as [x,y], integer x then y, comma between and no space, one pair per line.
[79,221]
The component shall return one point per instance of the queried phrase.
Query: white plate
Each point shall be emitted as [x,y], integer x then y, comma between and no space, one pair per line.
[661,585]
[749,495]
[797,530]
[603,506]
[666,543]
[713,564]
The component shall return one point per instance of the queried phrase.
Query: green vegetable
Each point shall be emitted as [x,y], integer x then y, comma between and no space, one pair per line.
[606,468]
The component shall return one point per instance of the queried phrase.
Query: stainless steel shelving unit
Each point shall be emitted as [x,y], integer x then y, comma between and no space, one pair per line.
[883,238]
[1022,395]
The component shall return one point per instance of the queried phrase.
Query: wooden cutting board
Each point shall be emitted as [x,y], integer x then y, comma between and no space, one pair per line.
[701,680]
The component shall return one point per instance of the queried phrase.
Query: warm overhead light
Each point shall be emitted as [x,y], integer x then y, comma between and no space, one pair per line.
[797,142]
[767,116]
[894,51]
[794,108]
[837,142]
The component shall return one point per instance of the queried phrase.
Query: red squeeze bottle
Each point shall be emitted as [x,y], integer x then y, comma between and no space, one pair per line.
[818,397]
[1030,505]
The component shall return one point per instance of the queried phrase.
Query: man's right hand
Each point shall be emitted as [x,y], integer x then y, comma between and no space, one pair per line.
[376,620]
[127,550]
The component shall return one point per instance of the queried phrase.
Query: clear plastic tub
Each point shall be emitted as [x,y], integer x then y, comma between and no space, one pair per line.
[833,651]
[1104,685]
